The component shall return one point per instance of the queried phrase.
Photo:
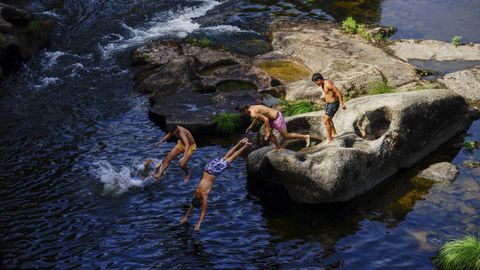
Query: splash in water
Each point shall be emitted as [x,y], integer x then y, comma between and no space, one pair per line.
[116,182]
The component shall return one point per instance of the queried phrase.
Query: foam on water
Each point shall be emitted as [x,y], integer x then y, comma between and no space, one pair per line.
[118,181]
[226,28]
[51,14]
[48,81]
[178,24]
[50,59]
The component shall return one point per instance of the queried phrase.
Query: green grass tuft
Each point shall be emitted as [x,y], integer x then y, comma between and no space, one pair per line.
[152,96]
[204,42]
[349,25]
[459,254]
[377,88]
[36,28]
[362,31]
[291,108]
[471,145]
[227,123]
[457,40]
[427,85]
[378,37]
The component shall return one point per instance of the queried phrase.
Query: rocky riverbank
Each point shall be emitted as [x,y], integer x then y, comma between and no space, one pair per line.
[190,83]
[378,136]
[21,37]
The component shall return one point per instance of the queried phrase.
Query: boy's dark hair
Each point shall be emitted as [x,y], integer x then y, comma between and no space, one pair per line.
[171,127]
[317,77]
[243,107]
[197,201]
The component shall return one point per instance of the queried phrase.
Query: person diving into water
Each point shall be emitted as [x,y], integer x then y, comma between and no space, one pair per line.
[186,145]
[213,169]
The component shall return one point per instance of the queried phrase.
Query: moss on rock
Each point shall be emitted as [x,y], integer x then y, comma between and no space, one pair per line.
[284,70]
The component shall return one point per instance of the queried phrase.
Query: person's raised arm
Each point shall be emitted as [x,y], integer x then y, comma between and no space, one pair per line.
[251,125]
[265,120]
[202,214]
[185,218]
[165,138]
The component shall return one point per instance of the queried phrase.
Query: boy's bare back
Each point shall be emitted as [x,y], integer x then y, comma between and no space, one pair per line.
[263,110]
[186,132]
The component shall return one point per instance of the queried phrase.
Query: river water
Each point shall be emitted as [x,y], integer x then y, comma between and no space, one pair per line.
[74,133]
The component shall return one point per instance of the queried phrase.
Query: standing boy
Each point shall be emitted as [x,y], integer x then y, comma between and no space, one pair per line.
[333,99]
[272,119]
[186,145]
[214,168]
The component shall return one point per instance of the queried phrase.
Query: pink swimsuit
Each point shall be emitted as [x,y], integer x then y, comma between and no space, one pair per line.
[279,122]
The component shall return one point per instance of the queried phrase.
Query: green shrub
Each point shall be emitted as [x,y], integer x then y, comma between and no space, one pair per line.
[457,40]
[204,42]
[459,254]
[227,123]
[378,37]
[36,29]
[349,25]
[291,108]
[471,145]
[377,88]
[152,96]
[427,85]
[362,31]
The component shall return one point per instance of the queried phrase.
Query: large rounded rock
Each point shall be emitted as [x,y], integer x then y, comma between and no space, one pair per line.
[379,135]
[351,62]
[464,82]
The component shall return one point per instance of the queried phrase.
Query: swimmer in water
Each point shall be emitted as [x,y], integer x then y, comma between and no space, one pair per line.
[213,169]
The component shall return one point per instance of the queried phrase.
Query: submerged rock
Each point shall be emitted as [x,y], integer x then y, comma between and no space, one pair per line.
[471,164]
[444,172]
[408,49]
[349,61]
[379,135]
[21,36]
[464,82]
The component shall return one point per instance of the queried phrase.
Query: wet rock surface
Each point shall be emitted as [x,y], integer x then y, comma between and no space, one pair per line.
[378,136]
[190,84]
[21,37]
[464,82]
[444,172]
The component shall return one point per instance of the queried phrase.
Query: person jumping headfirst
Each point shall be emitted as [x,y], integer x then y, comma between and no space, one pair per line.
[272,119]
[333,100]
[213,169]
[186,145]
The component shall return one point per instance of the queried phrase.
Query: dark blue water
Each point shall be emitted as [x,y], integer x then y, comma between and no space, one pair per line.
[74,133]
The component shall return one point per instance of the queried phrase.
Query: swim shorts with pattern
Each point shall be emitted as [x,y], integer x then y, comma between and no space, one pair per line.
[216,166]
